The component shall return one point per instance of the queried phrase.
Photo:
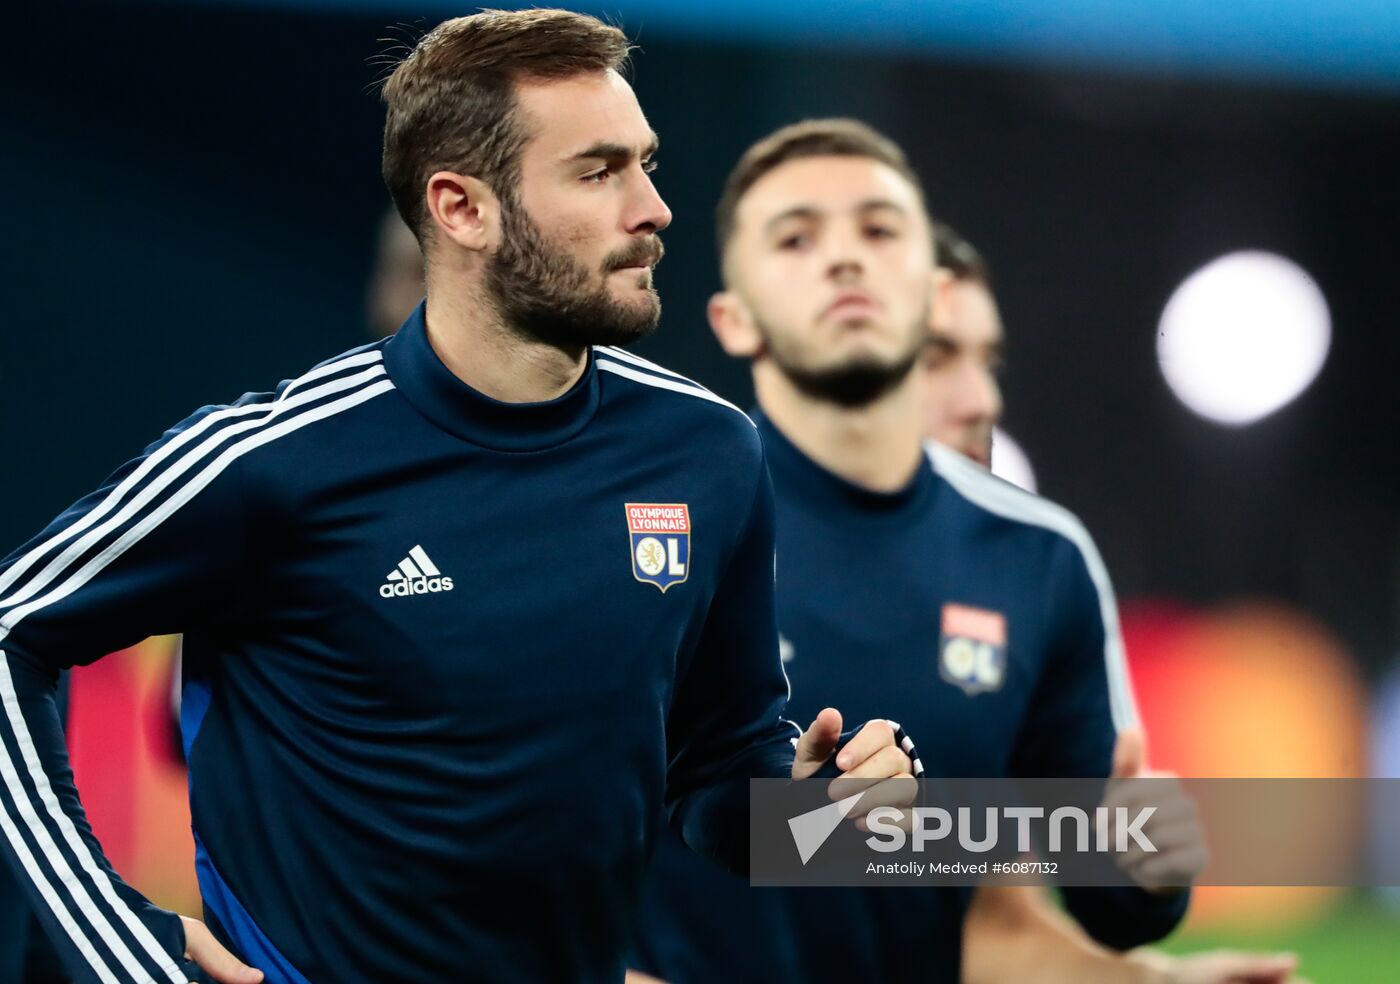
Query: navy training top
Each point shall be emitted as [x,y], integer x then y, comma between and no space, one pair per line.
[445,658]
[978,616]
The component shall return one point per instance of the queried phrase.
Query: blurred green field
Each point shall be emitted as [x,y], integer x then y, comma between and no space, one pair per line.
[1357,942]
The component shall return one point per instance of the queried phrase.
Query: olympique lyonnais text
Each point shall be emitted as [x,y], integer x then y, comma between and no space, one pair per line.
[658,519]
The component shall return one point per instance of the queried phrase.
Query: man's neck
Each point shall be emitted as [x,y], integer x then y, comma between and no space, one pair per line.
[877,446]
[469,337]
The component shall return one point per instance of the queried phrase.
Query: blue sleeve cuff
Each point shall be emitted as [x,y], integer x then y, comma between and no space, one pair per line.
[1125,917]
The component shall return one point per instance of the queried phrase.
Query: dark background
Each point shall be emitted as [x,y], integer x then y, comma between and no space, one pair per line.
[190,197]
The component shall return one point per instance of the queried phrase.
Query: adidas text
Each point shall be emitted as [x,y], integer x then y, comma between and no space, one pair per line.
[423,585]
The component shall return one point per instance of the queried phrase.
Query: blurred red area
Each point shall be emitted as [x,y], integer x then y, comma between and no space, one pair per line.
[124,744]
[1249,690]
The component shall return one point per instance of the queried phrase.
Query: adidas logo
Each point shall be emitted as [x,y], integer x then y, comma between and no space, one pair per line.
[415,575]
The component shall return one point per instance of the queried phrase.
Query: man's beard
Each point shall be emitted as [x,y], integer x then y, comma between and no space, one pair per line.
[545,295]
[856,383]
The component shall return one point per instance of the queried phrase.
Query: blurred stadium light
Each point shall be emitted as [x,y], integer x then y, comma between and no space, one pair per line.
[1354,44]
[1243,336]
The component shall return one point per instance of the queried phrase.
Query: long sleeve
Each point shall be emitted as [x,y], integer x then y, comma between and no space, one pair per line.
[1126,917]
[155,550]
[726,723]
[1084,700]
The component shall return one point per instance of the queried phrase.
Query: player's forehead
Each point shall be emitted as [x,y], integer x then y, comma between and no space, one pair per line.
[968,317]
[569,117]
[824,187]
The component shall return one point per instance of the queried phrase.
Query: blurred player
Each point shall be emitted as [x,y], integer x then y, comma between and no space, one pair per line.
[396,282]
[1014,933]
[460,608]
[963,353]
[889,561]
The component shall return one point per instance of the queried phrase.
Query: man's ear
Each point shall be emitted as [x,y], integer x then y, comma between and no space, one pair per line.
[465,210]
[734,326]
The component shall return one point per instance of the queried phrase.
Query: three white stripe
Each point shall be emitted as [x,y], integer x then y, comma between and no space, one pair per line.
[57,860]
[166,451]
[36,874]
[80,546]
[666,379]
[67,876]
[415,565]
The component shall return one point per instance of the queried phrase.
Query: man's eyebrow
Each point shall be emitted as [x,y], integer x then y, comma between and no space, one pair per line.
[812,212]
[872,204]
[796,212]
[607,150]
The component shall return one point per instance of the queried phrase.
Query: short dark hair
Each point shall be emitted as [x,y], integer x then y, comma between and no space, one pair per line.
[810,138]
[451,100]
[958,256]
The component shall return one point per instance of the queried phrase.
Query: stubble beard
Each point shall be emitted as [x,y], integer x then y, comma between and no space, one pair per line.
[544,295]
[858,382]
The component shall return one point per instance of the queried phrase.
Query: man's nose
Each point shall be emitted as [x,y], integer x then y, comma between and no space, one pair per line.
[647,213]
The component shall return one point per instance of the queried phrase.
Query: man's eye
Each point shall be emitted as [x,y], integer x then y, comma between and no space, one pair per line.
[937,354]
[649,165]
[597,177]
[796,241]
[881,232]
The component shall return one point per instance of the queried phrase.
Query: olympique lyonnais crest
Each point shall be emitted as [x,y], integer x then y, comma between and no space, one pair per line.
[660,535]
[972,648]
